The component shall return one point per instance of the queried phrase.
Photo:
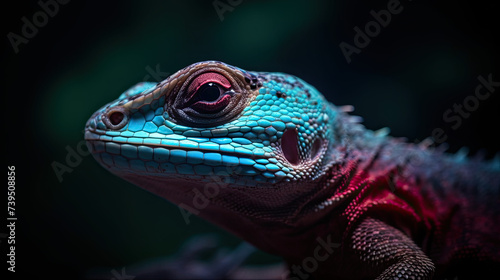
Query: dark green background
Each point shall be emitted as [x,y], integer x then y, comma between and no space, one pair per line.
[424,61]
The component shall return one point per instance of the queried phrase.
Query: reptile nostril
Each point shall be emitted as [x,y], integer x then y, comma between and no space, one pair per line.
[115,118]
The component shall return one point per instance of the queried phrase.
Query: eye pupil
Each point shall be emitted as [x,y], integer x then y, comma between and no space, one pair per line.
[209,92]
[116,118]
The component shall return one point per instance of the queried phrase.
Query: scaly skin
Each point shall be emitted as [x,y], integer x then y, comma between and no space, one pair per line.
[266,157]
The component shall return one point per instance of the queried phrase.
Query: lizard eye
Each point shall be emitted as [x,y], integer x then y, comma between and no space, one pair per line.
[208,97]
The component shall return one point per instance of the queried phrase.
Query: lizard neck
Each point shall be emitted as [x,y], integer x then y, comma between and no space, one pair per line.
[318,212]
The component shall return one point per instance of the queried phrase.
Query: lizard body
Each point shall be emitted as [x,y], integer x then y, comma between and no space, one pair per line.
[267,157]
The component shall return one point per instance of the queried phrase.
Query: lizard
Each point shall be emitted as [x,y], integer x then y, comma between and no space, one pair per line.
[265,156]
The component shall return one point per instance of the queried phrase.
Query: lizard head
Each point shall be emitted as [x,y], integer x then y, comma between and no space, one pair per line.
[213,137]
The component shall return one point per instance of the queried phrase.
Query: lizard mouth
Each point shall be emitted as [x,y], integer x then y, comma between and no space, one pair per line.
[181,157]
[170,142]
